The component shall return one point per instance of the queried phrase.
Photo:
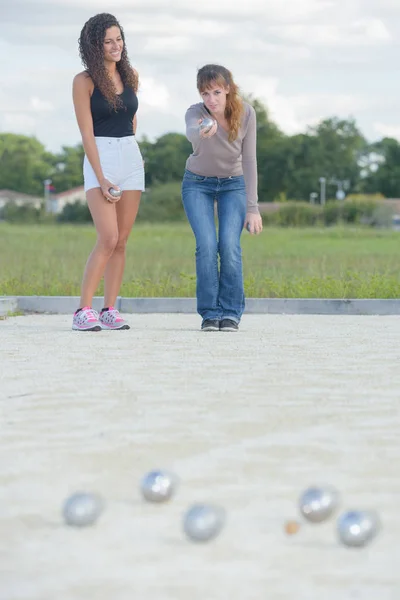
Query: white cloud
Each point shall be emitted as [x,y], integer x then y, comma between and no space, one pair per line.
[288,10]
[34,105]
[170,25]
[280,108]
[307,59]
[163,44]
[297,111]
[153,95]
[39,105]
[384,130]
[18,123]
[267,49]
[375,29]
[362,32]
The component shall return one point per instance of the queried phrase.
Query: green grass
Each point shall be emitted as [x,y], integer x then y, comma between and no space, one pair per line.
[302,263]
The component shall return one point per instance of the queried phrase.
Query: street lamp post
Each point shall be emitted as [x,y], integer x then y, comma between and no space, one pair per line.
[322,181]
[47,183]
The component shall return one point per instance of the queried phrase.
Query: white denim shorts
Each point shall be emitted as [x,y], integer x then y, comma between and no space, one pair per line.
[121,162]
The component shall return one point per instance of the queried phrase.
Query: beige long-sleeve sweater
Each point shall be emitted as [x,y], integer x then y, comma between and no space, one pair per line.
[218,157]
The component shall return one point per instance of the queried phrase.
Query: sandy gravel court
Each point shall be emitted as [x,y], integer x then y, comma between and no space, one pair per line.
[246,420]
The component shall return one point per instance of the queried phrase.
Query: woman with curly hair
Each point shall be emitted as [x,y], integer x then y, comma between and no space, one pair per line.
[222,168]
[106,104]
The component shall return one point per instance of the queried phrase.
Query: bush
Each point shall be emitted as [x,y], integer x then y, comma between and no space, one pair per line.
[332,212]
[20,214]
[294,214]
[362,198]
[382,216]
[163,202]
[77,212]
[360,211]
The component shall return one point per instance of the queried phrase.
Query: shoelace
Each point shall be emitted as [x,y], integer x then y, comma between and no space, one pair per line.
[114,312]
[90,314]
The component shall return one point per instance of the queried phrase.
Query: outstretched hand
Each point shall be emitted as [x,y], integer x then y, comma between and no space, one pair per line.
[207,134]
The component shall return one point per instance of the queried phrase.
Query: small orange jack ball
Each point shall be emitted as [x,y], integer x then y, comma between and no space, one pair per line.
[292,527]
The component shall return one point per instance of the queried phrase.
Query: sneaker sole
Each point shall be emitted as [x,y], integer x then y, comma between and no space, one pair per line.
[228,329]
[110,328]
[206,329]
[95,328]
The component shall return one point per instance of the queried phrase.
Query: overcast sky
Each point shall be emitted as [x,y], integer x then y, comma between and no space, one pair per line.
[305,59]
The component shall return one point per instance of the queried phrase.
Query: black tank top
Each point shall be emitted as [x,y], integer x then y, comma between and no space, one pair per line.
[110,123]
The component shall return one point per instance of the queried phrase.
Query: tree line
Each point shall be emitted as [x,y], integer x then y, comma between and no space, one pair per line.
[289,166]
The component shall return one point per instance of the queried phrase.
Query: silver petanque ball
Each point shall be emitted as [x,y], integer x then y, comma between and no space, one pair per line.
[115,193]
[203,522]
[356,528]
[158,486]
[206,124]
[318,503]
[82,509]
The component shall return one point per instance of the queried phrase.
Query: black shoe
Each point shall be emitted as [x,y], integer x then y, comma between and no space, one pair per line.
[228,325]
[210,325]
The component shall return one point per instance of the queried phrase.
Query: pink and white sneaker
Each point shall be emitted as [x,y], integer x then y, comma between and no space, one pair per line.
[86,319]
[110,318]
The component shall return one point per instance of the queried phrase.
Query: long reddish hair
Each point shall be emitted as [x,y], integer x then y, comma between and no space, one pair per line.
[219,75]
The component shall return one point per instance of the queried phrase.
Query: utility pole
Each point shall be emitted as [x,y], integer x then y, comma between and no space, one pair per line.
[47,183]
[322,181]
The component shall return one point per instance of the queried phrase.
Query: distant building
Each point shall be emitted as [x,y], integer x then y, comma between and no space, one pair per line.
[19,199]
[58,201]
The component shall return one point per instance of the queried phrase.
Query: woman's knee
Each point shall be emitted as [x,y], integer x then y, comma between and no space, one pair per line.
[229,249]
[107,242]
[120,246]
[206,246]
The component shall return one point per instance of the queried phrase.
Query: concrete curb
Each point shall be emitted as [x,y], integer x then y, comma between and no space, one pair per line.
[310,306]
[8,304]
[61,305]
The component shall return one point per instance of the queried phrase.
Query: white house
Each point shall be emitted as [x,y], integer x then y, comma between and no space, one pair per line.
[19,199]
[58,201]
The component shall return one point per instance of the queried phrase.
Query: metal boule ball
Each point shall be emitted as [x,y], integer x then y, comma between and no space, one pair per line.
[115,193]
[317,504]
[206,124]
[356,528]
[158,486]
[82,509]
[203,522]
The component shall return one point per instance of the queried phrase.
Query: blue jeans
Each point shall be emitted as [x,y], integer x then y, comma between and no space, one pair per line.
[220,293]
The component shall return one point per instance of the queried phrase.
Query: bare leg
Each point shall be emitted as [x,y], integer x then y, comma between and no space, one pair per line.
[104,216]
[126,208]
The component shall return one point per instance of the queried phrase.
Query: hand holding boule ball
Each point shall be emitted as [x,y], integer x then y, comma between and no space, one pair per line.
[114,192]
[207,127]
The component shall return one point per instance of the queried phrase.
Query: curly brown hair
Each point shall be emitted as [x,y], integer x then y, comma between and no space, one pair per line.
[218,75]
[91,51]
